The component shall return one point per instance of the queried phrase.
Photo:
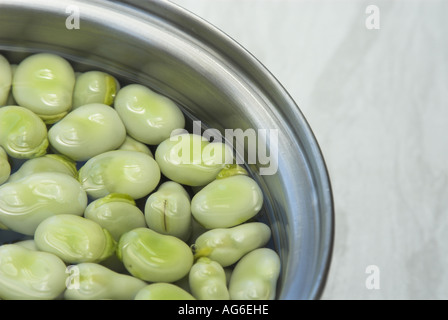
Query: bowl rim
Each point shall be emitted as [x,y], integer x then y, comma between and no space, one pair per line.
[224,43]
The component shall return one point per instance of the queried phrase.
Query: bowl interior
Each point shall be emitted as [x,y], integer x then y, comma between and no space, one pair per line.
[213,80]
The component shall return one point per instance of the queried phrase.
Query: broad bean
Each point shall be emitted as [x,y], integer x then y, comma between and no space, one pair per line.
[167,210]
[255,276]
[148,116]
[23,134]
[87,132]
[30,275]
[25,203]
[47,163]
[95,87]
[130,144]
[91,281]
[227,202]
[207,280]
[117,213]
[154,257]
[191,159]
[128,172]
[74,239]
[227,246]
[163,291]
[43,83]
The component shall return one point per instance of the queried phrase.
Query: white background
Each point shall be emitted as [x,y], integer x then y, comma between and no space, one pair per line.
[377,101]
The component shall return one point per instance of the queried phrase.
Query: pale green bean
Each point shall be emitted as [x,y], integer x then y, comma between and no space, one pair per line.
[43,83]
[227,202]
[117,213]
[191,159]
[167,210]
[227,246]
[30,275]
[127,172]
[207,280]
[154,257]
[25,203]
[95,87]
[87,132]
[91,281]
[163,291]
[46,163]
[148,116]
[74,239]
[23,134]
[130,144]
[255,276]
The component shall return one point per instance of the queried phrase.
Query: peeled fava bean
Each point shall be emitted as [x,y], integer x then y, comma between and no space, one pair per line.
[30,275]
[91,281]
[5,167]
[95,87]
[127,172]
[74,239]
[5,80]
[43,83]
[25,203]
[255,276]
[47,163]
[23,134]
[163,291]
[207,280]
[227,202]
[148,116]
[154,257]
[191,159]
[130,144]
[117,213]
[88,131]
[227,245]
[167,211]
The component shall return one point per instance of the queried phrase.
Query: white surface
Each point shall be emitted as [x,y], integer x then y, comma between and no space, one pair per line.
[377,101]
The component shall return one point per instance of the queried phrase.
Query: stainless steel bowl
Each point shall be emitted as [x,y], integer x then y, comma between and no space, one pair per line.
[163,46]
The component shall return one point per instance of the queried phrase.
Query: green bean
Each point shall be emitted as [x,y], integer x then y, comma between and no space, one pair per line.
[25,203]
[74,239]
[5,167]
[163,291]
[227,202]
[167,211]
[131,144]
[191,159]
[227,246]
[255,276]
[207,280]
[91,281]
[5,80]
[128,172]
[154,257]
[148,116]
[117,213]
[30,275]
[43,83]
[46,163]
[23,134]
[95,87]
[88,131]
[29,244]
